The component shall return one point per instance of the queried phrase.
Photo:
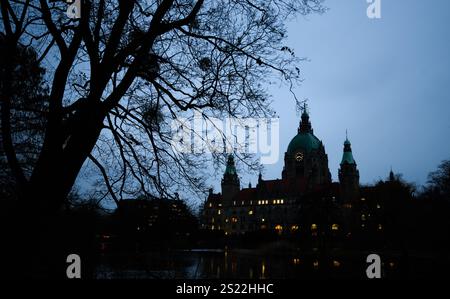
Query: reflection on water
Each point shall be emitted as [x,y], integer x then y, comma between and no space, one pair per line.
[236,264]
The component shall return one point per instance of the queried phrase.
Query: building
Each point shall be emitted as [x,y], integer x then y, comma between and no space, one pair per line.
[304,200]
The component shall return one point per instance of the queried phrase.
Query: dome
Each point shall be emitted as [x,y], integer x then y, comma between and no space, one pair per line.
[304,141]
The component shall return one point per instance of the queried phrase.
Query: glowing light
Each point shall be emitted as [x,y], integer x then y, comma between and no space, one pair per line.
[250,212]
[294,228]
[313,226]
[380,227]
[279,228]
[335,227]
[316,265]
[219,212]
[336,264]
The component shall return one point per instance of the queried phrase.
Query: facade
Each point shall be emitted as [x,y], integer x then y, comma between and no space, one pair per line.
[304,199]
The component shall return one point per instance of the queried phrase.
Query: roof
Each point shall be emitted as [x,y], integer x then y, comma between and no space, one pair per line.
[347,157]
[304,141]
[230,169]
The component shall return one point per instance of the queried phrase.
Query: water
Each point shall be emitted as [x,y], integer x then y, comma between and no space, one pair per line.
[250,264]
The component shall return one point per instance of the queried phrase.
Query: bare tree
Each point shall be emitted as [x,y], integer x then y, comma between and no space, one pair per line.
[122,72]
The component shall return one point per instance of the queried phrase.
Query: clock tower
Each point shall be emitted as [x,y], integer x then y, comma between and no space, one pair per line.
[305,156]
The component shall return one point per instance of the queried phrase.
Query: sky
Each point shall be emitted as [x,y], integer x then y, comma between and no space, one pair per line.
[386,81]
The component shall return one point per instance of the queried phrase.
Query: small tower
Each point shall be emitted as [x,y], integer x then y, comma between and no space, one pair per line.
[348,175]
[391,176]
[230,182]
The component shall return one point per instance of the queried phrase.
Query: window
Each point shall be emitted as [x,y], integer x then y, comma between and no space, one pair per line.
[267,202]
[242,202]
[275,201]
[313,226]
[335,227]
[363,217]
[259,202]
[210,205]
[282,201]
[380,227]
[294,228]
[250,212]
[219,212]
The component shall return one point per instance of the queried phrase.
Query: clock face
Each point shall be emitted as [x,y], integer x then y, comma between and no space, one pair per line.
[299,156]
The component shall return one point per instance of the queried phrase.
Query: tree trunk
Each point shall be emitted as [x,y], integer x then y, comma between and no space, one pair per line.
[41,202]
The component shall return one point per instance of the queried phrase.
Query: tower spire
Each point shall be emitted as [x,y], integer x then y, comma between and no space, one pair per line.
[305,124]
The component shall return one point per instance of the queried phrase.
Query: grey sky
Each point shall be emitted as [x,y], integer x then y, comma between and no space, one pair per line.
[387,81]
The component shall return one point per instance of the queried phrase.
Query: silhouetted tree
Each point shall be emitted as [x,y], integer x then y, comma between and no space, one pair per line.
[439,182]
[122,72]
[27,113]
[124,67]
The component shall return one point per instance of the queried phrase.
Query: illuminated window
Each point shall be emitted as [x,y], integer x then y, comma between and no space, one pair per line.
[250,212]
[212,227]
[210,205]
[267,202]
[263,220]
[278,228]
[334,227]
[336,264]
[296,261]
[380,227]
[313,226]
[234,203]
[378,207]
[274,201]
[294,228]
[316,264]
[226,220]
[220,204]
[234,219]
[212,220]
[363,217]
[251,202]
[363,199]
[282,201]
[242,203]
[219,212]
[259,202]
